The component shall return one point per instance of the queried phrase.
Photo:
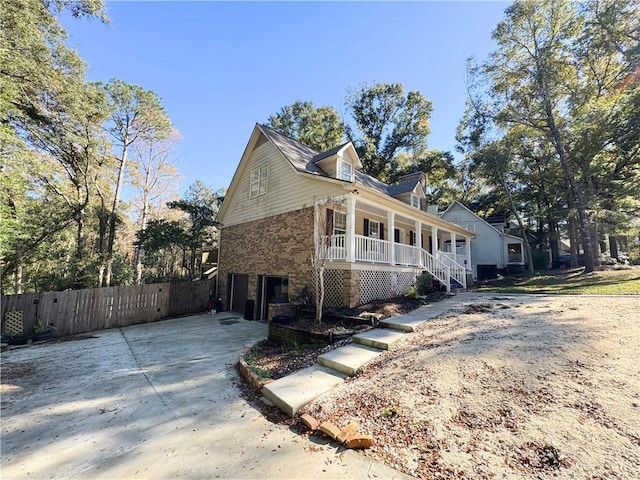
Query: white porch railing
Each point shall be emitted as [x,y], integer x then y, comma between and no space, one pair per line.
[406,254]
[372,250]
[368,249]
[459,259]
[458,272]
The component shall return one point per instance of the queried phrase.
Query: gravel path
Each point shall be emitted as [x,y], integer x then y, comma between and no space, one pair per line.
[510,387]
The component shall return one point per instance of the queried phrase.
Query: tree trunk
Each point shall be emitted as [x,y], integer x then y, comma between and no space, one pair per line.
[575,188]
[80,248]
[18,280]
[143,227]
[525,242]
[114,211]
[613,246]
[319,295]
[554,246]
[573,241]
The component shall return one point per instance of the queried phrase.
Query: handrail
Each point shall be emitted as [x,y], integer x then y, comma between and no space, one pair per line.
[367,249]
[458,272]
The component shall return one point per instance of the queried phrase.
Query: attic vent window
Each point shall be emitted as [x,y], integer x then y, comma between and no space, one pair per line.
[415,201]
[345,170]
[258,182]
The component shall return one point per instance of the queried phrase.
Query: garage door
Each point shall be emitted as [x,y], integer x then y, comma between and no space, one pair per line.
[238,291]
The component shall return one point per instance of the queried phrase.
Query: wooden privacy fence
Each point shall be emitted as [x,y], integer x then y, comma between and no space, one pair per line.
[78,311]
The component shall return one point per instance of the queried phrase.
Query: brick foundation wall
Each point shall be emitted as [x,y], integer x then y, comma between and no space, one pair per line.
[278,246]
[351,288]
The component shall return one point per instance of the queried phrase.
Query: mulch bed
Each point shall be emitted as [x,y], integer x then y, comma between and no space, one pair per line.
[277,360]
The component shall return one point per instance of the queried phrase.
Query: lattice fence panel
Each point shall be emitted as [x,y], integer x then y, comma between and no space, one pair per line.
[380,285]
[13,323]
[374,285]
[405,279]
[333,288]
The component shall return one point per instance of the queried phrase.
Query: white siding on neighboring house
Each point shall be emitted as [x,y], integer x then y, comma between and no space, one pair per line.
[287,190]
[490,247]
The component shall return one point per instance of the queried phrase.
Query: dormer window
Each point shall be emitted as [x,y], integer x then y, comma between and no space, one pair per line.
[345,170]
[415,201]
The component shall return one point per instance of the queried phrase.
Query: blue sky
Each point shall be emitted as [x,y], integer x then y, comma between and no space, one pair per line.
[220,67]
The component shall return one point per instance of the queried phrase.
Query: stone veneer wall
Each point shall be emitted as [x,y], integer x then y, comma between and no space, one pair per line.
[351,289]
[279,246]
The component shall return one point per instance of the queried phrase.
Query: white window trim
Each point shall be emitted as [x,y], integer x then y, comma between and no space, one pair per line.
[258,179]
[416,199]
[371,223]
[342,215]
[341,162]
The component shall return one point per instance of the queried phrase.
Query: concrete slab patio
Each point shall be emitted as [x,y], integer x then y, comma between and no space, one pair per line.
[152,401]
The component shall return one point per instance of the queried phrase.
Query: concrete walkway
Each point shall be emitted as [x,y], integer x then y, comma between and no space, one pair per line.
[152,401]
[292,392]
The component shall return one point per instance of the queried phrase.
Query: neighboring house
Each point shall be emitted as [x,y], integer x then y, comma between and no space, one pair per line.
[493,251]
[285,199]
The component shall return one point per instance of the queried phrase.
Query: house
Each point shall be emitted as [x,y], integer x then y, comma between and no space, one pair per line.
[494,250]
[286,202]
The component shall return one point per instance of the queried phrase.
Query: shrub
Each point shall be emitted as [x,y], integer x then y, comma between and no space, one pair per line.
[424,283]
[412,292]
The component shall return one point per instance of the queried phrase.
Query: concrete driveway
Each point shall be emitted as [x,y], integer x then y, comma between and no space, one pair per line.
[152,401]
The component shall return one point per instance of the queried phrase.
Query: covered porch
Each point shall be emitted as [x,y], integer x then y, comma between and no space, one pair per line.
[363,232]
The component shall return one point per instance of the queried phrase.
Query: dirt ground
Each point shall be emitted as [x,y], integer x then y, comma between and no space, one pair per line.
[508,387]
[275,360]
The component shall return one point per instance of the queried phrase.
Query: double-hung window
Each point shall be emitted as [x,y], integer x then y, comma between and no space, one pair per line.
[345,170]
[415,201]
[258,181]
[339,223]
[374,229]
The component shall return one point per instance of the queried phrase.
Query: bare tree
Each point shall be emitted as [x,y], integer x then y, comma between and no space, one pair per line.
[323,215]
[154,176]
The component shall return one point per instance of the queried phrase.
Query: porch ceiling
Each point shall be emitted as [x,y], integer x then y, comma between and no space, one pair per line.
[373,209]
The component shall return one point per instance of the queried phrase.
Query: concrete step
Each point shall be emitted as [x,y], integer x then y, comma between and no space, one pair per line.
[292,392]
[348,359]
[381,338]
[403,323]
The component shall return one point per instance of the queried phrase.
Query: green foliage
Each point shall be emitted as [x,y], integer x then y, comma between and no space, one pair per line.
[561,96]
[388,123]
[424,283]
[540,260]
[191,232]
[319,128]
[252,361]
[604,282]
[412,292]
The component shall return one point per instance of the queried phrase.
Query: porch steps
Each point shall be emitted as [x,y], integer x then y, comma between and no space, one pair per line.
[381,338]
[409,322]
[349,358]
[403,323]
[290,393]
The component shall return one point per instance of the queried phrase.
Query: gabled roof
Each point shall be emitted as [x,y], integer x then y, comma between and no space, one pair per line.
[305,160]
[300,156]
[328,153]
[401,188]
[455,202]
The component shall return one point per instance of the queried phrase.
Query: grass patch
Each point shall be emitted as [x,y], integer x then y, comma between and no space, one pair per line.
[574,281]
[251,357]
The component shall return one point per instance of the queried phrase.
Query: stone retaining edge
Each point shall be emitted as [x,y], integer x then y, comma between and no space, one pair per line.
[247,373]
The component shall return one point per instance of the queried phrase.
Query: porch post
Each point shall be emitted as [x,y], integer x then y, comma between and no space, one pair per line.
[418,239]
[350,241]
[391,219]
[453,247]
[467,252]
[434,240]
